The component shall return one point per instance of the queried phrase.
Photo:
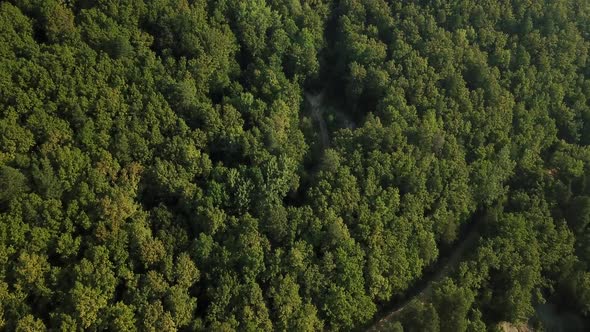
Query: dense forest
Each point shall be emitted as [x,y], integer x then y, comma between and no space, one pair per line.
[161,169]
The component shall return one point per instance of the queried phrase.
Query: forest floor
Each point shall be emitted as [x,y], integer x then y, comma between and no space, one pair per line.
[317,115]
[446,266]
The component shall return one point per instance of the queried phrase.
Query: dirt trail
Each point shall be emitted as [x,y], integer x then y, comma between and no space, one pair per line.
[447,266]
[317,114]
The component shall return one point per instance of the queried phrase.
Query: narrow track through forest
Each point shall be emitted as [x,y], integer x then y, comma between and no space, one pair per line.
[444,267]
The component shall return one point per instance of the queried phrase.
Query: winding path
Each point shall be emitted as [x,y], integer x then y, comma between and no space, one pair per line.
[446,266]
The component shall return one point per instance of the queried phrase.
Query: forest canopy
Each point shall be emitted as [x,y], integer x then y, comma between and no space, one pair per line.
[163,164]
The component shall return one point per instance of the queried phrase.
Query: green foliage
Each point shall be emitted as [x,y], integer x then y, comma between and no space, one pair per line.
[162,168]
[453,304]
[421,317]
[12,183]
